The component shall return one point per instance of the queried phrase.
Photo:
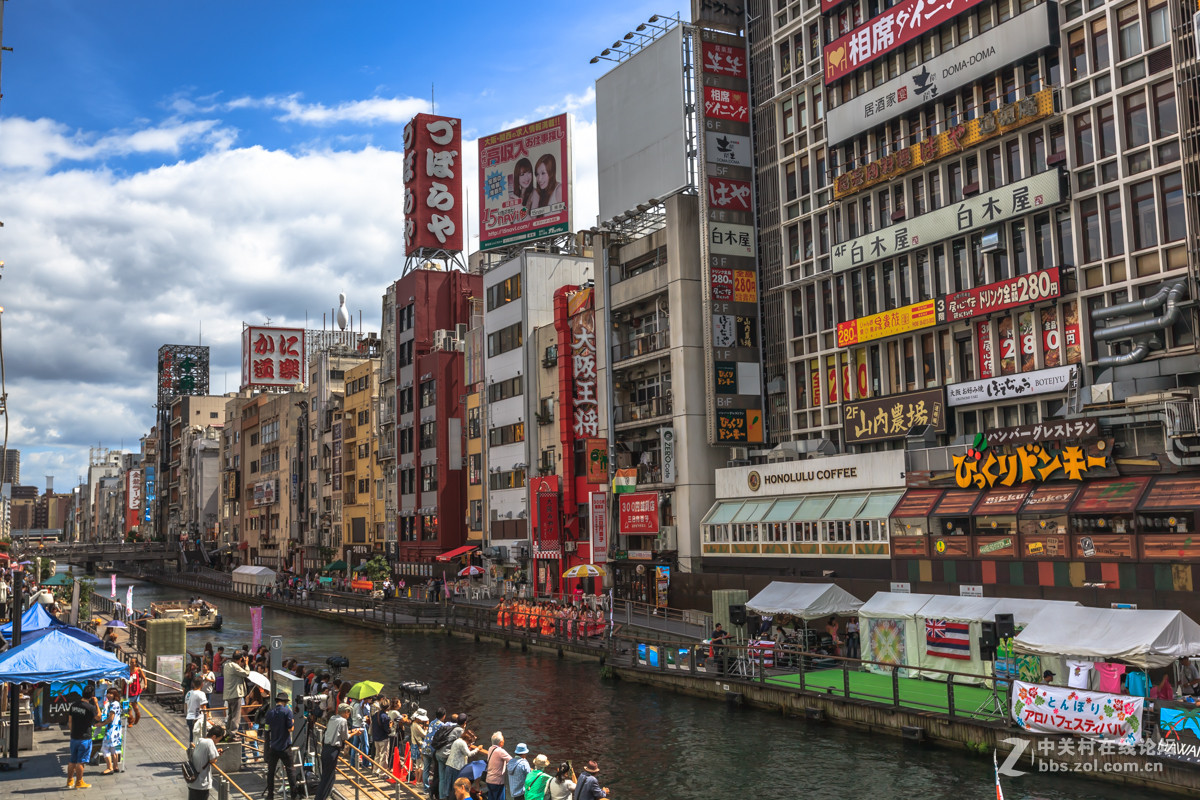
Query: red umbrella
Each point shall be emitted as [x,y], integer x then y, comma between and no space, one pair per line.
[471,571]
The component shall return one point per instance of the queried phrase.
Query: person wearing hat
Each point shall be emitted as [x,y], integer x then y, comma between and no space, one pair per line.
[1048,677]
[416,735]
[589,784]
[337,733]
[535,782]
[280,723]
[516,771]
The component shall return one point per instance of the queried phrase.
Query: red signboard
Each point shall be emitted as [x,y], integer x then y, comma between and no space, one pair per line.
[723,59]
[987,363]
[272,357]
[1019,291]
[729,195]
[898,25]
[432,184]
[549,521]
[598,507]
[726,104]
[133,499]
[637,513]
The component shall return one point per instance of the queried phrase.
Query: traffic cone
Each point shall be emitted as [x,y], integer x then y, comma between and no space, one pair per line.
[408,759]
[396,776]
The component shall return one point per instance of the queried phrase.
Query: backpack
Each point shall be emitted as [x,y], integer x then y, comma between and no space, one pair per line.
[442,738]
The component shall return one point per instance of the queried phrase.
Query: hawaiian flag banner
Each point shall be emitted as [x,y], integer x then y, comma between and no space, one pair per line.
[948,639]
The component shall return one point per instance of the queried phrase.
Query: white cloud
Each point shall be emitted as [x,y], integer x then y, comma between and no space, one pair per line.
[43,144]
[372,111]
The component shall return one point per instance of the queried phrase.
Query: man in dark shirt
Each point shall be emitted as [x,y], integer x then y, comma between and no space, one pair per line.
[280,723]
[83,713]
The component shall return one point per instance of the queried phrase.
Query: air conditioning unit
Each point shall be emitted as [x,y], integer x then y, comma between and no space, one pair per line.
[442,340]
[491,552]
[668,538]
[570,547]
[460,331]
[521,552]
[502,553]
[550,357]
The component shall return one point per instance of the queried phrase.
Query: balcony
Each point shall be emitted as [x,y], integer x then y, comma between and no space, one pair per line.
[642,412]
[386,452]
[642,345]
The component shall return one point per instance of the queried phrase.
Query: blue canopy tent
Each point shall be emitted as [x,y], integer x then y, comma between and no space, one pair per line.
[77,633]
[57,656]
[35,618]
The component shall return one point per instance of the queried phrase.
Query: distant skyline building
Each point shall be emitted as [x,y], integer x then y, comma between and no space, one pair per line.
[12,466]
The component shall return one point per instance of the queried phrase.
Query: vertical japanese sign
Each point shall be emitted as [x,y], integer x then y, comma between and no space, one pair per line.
[987,363]
[598,511]
[150,495]
[729,245]
[255,627]
[272,357]
[584,402]
[597,461]
[432,184]
[133,499]
[525,177]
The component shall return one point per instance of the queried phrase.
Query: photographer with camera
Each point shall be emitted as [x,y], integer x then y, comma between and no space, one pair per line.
[337,734]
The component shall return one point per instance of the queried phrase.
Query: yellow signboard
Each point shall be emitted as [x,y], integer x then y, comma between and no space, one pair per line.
[887,323]
[951,142]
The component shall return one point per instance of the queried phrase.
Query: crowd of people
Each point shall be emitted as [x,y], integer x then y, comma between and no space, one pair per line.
[571,621]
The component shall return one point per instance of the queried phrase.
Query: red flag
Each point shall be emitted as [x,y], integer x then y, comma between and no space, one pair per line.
[408,758]
[396,776]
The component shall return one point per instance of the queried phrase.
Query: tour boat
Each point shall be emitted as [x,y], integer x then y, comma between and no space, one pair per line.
[198,616]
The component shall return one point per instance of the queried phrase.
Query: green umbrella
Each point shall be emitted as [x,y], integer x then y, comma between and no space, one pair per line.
[364,689]
[60,579]
[337,566]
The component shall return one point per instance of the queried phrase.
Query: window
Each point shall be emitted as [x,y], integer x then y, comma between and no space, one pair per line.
[474,423]
[1141,196]
[1129,31]
[475,469]
[506,480]
[1174,221]
[1108,130]
[1077,54]
[1083,139]
[1100,43]
[428,393]
[1089,215]
[1137,124]
[1113,231]
[504,292]
[429,480]
[504,340]
[1158,20]
[507,434]
[428,435]
[429,528]
[502,390]
[1166,119]
[406,400]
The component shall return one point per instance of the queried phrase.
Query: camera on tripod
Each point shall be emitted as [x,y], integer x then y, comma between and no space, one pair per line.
[337,664]
[312,703]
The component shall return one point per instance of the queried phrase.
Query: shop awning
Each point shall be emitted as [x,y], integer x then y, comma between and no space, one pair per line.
[752,511]
[450,555]
[916,503]
[1172,494]
[1002,502]
[1116,496]
[846,506]
[1052,499]
[782,510]
[813,508]
[722,512]
[879,505]
[956,503]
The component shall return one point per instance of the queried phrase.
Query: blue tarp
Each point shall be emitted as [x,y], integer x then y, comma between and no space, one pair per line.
[77,633]
[36,618]
[57,656]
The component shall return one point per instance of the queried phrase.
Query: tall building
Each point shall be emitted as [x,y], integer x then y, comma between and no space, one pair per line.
[362,486]
[519,300]
[984,256]
[188,417]
[476,466]
[424,433]
[12,466]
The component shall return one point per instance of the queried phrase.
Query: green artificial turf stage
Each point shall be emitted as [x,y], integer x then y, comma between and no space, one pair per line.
[914,693]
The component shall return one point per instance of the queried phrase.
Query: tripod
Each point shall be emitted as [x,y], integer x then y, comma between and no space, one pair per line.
[992,706]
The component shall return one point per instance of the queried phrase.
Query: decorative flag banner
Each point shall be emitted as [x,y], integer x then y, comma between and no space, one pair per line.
[625,481]
[948,639]
[255,627]
[113,591]
[129,602]
[1091,715]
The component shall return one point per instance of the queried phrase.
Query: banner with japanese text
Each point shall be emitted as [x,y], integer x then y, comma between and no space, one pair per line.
[525,183]
[433,184]
[1091,715]
[272,357]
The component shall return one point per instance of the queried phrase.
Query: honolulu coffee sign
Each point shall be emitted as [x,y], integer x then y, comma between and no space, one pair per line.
[754,480]
[844,473]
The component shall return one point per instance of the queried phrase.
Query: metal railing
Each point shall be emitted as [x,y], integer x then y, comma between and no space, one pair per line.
[641,345]
[634,412]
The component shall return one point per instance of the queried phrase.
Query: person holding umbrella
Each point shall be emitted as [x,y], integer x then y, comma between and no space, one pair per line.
[360,716]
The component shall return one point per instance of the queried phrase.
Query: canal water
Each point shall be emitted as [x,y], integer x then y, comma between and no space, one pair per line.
[650,745]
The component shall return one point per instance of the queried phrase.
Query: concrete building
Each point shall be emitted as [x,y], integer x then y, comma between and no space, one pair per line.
[362,487]
[476,465]
[432,315]
[186,414]
[12,465]
[518,301]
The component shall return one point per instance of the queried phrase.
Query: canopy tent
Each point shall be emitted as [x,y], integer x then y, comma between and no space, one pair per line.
[804,600]
[888,627]
[75,633]
[952,624]
[57,656]
[35,618]
[1144,638]
[251,578]
[336,566]
[59,579]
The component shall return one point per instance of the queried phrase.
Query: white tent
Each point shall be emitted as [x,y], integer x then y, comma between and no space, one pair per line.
[251,579]
[888,625]
[804,600]
[1144,638]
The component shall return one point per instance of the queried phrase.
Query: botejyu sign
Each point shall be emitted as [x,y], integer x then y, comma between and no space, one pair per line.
[1009,387]
[960,66]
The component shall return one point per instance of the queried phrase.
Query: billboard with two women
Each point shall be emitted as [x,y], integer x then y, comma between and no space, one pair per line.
[525,183]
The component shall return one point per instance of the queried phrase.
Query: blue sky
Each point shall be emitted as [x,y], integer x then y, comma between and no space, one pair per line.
[175,164]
